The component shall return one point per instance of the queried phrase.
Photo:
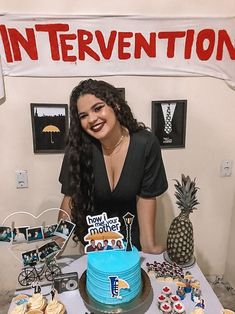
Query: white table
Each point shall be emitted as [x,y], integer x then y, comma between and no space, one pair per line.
[74,303]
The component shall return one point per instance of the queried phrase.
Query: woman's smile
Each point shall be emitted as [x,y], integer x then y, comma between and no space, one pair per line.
[98,119]
[97,127]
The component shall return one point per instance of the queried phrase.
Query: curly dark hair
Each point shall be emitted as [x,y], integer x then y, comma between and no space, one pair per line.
[80,148]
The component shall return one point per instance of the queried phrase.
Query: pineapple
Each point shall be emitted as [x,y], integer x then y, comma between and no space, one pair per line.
[180,242]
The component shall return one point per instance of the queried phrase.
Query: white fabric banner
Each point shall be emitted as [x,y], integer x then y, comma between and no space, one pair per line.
[2,91]
[68,46]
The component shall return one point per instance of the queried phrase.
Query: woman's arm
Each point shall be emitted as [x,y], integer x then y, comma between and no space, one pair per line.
[66,206]
[146,211]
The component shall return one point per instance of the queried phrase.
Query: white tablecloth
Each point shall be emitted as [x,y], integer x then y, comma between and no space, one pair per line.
[74,303]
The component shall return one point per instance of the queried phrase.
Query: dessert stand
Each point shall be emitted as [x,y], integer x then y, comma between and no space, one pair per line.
[137,306]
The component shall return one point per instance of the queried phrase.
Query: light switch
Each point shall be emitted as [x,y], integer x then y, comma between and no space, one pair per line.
[226,168]
[21,179]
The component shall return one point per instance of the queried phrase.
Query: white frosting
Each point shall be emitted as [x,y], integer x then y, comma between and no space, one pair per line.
[54,307]
[37,301]
[19,309]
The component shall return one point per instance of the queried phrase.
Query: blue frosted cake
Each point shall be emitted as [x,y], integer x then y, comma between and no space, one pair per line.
[114,276]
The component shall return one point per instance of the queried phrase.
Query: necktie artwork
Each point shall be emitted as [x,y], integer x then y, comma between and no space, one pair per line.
[168,125]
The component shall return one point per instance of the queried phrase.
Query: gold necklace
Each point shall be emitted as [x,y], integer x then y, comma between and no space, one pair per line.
[116,145]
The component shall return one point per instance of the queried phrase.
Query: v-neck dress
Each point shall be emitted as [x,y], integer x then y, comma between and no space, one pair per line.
[143,174]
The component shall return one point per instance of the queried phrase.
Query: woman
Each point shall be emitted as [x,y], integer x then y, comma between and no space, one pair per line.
[99,247]
[119,245]
[112,164]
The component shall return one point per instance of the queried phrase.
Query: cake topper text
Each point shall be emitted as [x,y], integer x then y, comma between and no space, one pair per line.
[101,223]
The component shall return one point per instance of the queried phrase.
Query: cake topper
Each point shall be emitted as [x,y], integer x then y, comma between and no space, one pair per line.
[128,219]
[116,285]
[103,233]
[36,287]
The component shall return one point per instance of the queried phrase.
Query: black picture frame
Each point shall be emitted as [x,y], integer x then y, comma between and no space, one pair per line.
[122,91]
[174,136]
[49,127]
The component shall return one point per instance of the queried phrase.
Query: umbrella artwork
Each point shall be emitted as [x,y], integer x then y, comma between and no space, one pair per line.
[51,129]
[103,236]
[50,126]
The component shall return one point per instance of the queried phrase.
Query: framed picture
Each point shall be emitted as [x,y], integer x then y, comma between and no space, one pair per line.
[169,122]
[50,127]
[122,92]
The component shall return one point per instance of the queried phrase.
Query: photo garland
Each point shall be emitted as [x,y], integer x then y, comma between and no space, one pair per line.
[26,234]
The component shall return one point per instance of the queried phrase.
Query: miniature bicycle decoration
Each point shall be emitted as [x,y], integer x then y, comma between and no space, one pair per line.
[35,272]
[38,262]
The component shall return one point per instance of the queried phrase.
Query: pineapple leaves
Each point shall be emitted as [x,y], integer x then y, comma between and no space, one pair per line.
[185,194]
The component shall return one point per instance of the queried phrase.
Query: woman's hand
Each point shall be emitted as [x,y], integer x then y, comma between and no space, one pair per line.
[156,249]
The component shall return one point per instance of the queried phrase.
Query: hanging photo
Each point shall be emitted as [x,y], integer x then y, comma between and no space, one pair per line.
[34,234]
[48,231]
[30,257]
[47,250]
[5,234]
[50,127]
[64,229]
[169,122]
[20,234]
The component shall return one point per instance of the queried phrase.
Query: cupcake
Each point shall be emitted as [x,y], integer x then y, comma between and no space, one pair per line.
[174,298]
[34,312]
[166,308]
[161,298]
[37,302]
[179,308]
[19,309]
[166,290]
[55,307]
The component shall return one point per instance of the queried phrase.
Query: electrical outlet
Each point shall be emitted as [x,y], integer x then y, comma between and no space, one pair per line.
[226,168]
[21,179]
